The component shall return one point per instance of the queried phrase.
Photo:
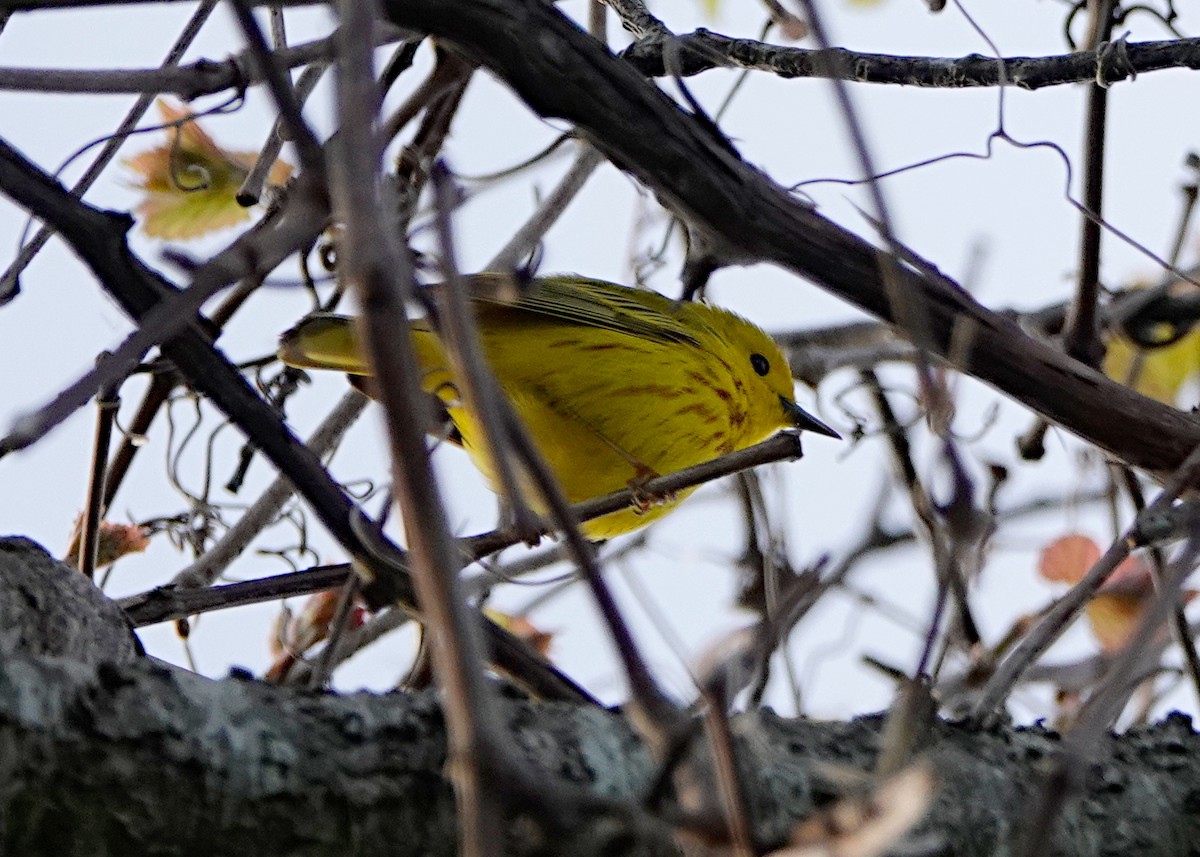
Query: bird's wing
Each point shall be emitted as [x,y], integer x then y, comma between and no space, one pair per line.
[591,303]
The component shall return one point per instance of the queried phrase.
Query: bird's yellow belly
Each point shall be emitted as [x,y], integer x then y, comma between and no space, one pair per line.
[586,463]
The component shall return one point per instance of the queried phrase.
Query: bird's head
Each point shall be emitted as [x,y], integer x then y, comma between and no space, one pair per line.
[764,374]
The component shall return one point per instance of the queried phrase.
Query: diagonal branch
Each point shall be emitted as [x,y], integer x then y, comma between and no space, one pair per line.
[98,237]
[749,218]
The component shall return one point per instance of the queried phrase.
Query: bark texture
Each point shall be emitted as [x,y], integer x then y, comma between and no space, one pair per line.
[45,611]
[104,752]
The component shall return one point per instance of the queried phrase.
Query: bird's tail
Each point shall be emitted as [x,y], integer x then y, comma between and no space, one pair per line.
[324,341]
[327,341]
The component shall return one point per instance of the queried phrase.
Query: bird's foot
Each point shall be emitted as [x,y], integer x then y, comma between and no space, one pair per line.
[643,500]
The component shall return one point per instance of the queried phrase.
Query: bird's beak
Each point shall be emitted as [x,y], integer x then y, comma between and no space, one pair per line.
[802,419]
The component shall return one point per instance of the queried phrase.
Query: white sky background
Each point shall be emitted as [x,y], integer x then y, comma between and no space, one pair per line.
[1011,206]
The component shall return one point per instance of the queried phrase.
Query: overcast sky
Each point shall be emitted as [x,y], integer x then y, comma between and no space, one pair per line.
[1008,213]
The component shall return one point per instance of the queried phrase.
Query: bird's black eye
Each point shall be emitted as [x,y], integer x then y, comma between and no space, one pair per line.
[761,365]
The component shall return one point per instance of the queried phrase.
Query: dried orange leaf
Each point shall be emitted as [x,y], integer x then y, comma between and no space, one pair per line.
[522,628]
[1116,610]
[1068,558]
[293,636]
[1114,618]
[113,542]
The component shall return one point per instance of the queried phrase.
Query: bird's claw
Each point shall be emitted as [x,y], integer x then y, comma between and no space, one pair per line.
[642,500]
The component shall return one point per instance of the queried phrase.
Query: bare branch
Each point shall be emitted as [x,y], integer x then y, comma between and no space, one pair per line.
[381,274]
[702,50]
[191,81]
[1081,339]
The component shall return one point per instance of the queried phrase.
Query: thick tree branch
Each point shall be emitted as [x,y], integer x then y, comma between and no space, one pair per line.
[204,767]
[749,218]
[49,608]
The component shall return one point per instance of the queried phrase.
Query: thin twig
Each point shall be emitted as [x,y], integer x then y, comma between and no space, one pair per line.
[1082,337]
[188,82]
[251,188]
[781,447]
[278,27]
[337,626]
[261,58]
[170,602]
[134,435]
[1179,622]
[729,781]
[947,564]
[107,404]
[598,20]
[351,642]
[480,392]
[1190,192]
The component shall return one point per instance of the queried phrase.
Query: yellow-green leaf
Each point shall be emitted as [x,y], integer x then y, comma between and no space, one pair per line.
[190,183]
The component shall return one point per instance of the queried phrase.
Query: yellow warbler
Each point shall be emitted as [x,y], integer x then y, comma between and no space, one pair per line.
[615,385]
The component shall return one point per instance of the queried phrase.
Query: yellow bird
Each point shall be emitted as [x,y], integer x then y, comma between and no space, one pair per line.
[616,385]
